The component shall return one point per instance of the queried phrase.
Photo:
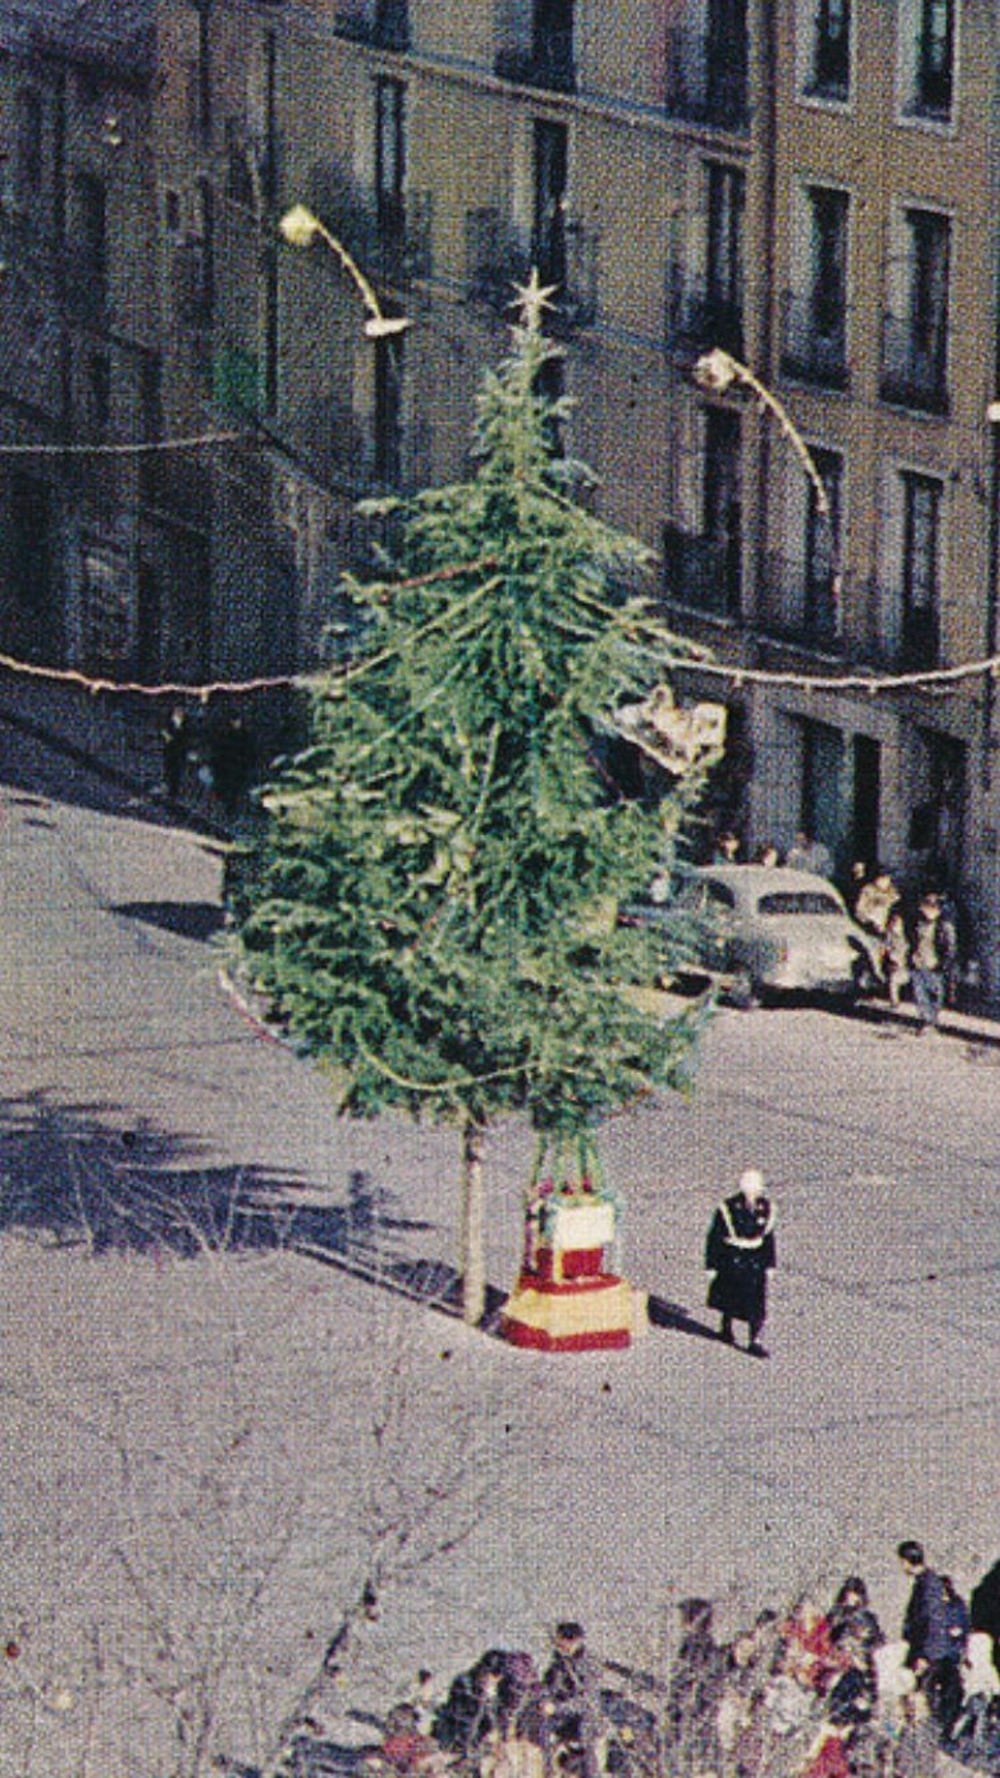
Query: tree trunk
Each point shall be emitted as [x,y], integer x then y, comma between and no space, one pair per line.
[471,1262]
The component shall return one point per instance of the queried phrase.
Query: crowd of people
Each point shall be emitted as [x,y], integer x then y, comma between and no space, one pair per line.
[914,939]
[810,1693]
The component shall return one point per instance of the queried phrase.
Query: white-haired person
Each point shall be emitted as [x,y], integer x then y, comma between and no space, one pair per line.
[739,1252]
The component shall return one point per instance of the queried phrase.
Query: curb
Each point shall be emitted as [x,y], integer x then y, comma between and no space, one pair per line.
[969,1027]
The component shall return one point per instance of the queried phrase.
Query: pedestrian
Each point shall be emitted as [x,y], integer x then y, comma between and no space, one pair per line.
[809,853]
[569,1701]
[231,756]
[947,944]
[695,1691]
[927,1632]
[926,973]
[984,1609]
[876,902]
[808,1654]
[740,1251]
[767,855]
[896,956]
[852,1619]
[727,848]
[175,739]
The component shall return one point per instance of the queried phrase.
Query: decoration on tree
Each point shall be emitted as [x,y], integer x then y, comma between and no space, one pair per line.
[677,739]
[569,1297]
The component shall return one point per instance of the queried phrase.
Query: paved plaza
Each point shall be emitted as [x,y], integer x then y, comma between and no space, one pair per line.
[232,1378]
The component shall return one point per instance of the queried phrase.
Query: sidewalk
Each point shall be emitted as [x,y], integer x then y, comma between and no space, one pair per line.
[979,1026]
[117,737]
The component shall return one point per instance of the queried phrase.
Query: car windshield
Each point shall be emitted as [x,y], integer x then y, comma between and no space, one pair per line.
[798,901]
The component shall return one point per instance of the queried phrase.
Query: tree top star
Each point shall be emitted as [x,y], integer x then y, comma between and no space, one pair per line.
[531,299]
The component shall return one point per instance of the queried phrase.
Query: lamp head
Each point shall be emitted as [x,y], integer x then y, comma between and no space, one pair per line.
[714,371]
[383,327]
[299,227]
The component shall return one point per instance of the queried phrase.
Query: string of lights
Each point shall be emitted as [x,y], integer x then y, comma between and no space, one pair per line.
[113,450]
[933,679]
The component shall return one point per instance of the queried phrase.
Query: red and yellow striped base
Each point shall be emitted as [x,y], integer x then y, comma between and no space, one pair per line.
[590,1315]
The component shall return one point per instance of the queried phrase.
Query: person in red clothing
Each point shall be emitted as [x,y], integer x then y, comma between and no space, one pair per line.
[810,1657]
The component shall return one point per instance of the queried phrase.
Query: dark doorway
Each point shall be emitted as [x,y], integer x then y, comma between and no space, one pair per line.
[867,796]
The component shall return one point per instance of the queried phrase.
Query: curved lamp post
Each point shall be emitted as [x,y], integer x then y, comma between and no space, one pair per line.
[717,371]
[300,228]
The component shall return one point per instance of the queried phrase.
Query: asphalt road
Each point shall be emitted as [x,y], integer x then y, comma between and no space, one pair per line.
[610,1484]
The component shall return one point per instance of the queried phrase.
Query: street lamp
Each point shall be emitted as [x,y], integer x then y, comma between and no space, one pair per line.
[717,371]
[300,228]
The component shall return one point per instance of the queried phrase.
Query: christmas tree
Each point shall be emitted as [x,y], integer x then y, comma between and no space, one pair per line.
[433,902]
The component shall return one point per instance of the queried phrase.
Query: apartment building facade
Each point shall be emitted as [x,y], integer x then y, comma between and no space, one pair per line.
[812,186]
[809,184]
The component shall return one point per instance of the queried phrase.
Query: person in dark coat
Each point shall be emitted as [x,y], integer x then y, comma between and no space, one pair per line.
[984,1609]
[927,1632]
[697,1682]
[176,739]
[740,1251]
[570,1703]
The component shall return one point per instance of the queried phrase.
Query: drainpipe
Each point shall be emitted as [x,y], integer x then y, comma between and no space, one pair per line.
[767,82]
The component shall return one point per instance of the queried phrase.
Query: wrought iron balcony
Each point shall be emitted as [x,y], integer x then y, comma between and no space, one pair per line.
[707,77]
[698,317]
[548,62]
[798,606]
[914,369]
[814,338]
[700,572]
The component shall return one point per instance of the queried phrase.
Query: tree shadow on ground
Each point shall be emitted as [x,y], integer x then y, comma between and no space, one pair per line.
[200,920]
[76,1176]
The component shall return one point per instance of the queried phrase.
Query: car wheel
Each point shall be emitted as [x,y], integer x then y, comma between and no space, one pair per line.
[746,993]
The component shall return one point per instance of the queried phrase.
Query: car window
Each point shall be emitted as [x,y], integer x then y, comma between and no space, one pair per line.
[719,896]
[798,901]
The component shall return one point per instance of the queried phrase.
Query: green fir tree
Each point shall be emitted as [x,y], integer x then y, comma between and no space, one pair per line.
[432,906]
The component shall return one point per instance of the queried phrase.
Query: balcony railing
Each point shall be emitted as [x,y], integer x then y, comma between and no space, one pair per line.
[707,78]
[914,369]
[700,572]
[547,62]
[384,26]
[698,317]
[814,339]
[496,260]
[799,607]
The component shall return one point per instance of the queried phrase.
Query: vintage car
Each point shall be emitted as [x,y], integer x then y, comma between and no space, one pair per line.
[756,930]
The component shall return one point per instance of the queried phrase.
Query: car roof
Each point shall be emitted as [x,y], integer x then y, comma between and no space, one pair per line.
[764,877]
[748,881]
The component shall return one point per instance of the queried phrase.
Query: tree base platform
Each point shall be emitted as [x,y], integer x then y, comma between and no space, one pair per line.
[587,1315]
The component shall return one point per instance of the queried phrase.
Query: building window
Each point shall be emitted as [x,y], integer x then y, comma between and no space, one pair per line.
[831,49]
[707,65]
[392,24]
[99,394]
[390,158]
[722,508]
[551,173]
[815,339]
[724,256]
[91,238]
[29,145]
[935,53]
[915,345]
[921,568]
[389,412]
[822,550]
[552,44]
